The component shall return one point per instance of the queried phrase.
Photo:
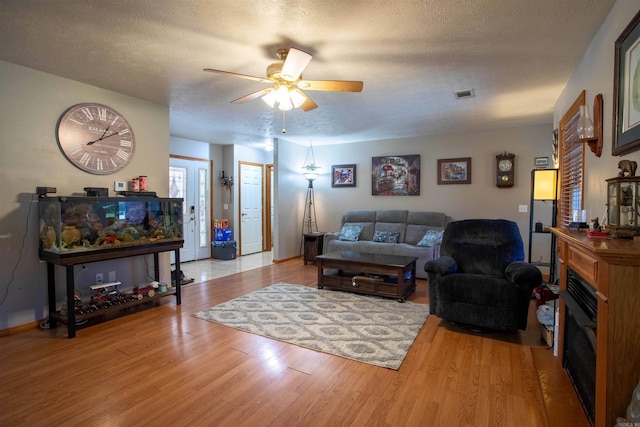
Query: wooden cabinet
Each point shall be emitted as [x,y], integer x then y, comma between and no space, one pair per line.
[612,267]
[312,246]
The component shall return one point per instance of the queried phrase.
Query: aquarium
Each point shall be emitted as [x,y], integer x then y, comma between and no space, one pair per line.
[70,225]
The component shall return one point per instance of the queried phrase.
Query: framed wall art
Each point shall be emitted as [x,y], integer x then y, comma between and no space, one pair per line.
[626,90]
[395,175]
[454,171]
[343,175]
[541,162]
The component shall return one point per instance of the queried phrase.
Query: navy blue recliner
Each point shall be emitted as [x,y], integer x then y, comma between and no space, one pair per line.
[481,279]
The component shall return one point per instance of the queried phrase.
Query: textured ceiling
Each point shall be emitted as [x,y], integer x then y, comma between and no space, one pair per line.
[412,55]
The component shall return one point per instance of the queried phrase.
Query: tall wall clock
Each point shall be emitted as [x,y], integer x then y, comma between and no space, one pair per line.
[95,138]
[505,169]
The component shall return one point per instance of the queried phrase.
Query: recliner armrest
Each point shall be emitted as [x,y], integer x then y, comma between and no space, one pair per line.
[443,265]
[521,272]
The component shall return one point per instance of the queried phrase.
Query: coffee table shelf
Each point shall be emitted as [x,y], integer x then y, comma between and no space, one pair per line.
[372,274]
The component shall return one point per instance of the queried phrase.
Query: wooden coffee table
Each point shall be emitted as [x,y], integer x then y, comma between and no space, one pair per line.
[372,274]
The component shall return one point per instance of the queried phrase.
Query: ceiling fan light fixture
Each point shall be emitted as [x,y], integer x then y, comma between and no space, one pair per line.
[288,86]
[270,98]
[283,98]
[297,97]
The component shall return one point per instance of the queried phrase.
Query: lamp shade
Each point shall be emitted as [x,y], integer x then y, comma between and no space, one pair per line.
[545,182]
[270,98]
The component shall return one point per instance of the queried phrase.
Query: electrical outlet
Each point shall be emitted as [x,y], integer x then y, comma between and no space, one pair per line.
[99,278]
[112,276]
[522,208]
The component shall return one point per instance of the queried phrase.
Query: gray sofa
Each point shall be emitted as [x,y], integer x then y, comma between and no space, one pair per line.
[411,227]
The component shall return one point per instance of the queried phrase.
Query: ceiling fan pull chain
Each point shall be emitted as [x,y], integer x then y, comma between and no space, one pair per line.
[284,129]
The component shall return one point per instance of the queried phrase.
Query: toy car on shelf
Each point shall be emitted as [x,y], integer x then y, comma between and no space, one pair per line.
[149,290]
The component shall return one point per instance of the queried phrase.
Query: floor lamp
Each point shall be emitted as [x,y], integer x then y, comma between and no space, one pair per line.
[309,221]
[544,187]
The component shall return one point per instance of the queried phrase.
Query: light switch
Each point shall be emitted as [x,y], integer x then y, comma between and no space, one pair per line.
[522,208]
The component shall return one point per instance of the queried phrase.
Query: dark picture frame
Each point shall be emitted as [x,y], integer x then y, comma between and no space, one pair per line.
[626,90]
[395,175]
[343,176]
[454,171]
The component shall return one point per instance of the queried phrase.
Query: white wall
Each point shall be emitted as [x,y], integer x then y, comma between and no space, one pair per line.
[189,148]
[480,199]
[595,75]
[291,191]
[30,104]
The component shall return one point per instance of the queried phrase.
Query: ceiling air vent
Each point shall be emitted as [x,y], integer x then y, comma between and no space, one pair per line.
[465,94]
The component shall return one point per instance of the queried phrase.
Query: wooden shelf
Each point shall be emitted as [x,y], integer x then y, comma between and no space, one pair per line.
[70,318]
[62,316]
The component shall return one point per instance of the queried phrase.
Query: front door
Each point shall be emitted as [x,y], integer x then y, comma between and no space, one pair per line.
[251,216]
[189,180]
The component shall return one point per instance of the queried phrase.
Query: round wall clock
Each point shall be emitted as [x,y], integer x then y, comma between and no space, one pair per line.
[95,138]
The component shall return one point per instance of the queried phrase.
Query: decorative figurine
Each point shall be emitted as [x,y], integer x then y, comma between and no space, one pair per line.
[627,168]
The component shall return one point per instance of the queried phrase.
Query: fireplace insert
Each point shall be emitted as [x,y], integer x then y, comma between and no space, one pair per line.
[579,356]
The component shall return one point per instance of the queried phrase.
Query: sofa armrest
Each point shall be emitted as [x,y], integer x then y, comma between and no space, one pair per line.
[523,273]
[327,238]
[443,265]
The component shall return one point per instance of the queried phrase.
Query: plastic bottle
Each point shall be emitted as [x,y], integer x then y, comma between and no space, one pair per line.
[633,411]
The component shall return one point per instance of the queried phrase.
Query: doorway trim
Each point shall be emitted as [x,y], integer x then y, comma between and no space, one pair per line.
[211,191]
[262,202]
[268,244]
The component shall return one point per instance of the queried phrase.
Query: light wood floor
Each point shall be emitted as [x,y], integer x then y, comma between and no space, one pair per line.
[162,367]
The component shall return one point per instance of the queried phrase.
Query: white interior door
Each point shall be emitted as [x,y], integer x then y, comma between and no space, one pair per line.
[189,180]
[250,208]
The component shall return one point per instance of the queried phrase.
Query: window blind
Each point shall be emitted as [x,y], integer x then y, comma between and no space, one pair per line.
[571,164]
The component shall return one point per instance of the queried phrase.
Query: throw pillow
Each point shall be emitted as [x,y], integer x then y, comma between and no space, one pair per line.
[429,238]
[386,236]
[350,233]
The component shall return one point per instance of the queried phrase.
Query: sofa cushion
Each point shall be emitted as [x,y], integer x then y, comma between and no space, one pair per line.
[386,236]
[418,223]
[429,238]
[350,233]
[359,216]
[433,219]
[392,227]
[393,221]
[416,232]
[393,215]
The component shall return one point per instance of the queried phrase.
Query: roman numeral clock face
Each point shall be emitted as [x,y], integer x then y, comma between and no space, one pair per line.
[96,138]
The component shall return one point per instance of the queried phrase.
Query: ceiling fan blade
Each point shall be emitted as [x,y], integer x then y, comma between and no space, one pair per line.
[242,76]
[252,96]
[308,105]
[295,63]
[331,85]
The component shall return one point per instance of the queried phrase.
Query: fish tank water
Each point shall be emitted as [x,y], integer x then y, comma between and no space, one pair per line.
[80,225]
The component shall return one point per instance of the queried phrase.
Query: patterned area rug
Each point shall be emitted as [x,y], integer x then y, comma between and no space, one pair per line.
[369,329]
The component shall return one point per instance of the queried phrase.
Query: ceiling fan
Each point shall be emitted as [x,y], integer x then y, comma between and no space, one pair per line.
[288,85]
